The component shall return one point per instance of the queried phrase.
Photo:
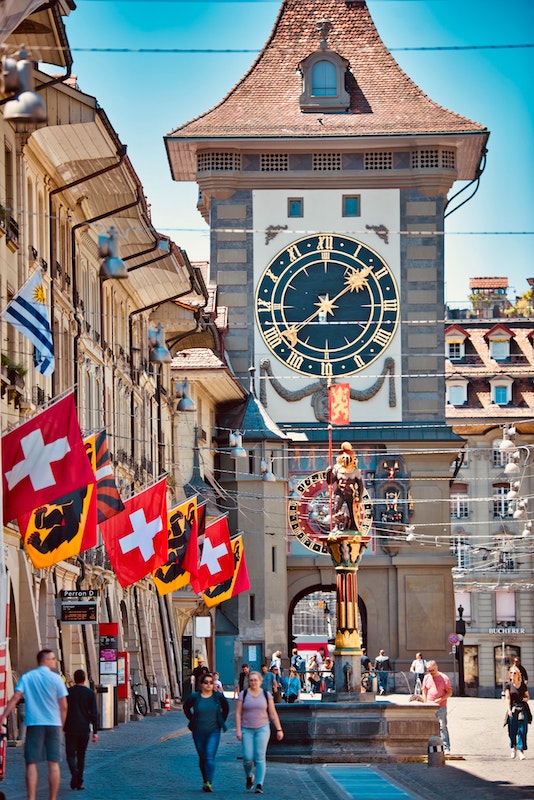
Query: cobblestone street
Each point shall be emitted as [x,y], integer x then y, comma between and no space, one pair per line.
[154,759]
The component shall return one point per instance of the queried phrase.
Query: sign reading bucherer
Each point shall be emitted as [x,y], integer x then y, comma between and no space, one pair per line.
[79,606]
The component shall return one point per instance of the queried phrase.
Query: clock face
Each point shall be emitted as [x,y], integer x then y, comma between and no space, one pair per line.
[327,305]
[309,512]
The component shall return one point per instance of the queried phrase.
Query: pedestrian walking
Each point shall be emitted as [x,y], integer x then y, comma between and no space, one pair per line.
[255,707]
[242,680]
[199,671]
[522,670]
[299,662]
[206,711]
[276,661]
[382,667]
[518,713]
[82,716]
[437,689]
[292,686]
[418,668]
[45,695]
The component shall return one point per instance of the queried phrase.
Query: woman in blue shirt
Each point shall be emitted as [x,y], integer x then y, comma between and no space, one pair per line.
[206,711]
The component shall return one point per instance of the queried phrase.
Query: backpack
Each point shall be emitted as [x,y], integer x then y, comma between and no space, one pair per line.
[300,663]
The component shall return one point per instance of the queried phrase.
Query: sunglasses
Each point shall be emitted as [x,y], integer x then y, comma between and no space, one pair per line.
[206,682]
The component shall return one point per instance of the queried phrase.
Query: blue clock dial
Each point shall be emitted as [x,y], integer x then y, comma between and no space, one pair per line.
[327,305]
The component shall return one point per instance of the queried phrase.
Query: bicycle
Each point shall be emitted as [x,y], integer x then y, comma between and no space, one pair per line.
[138,701]
[367,680]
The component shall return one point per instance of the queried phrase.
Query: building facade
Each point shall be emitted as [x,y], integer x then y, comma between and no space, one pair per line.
[489,404]
[65,185]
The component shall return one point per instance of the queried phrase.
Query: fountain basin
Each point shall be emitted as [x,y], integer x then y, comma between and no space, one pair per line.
[354,732]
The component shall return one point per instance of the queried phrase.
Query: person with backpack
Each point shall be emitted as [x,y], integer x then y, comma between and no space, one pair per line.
[254,709]
[207,712]
[299,663]
[382,667]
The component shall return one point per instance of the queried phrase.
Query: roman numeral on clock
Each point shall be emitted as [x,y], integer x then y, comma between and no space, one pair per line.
[382,337]
[295,360]
[267,305]
[272,337]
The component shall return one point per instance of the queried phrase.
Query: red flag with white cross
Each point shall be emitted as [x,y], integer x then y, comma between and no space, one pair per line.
[43,459]
[217,558]
[136,540]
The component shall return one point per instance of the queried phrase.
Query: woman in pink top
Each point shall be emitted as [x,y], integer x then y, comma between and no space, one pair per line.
[253,710]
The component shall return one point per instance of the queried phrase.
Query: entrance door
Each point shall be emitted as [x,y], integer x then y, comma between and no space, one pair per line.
[253,655]
[503,656]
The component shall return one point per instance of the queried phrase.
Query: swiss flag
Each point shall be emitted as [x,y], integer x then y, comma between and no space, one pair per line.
[44,459]
[136,539]
[217,559]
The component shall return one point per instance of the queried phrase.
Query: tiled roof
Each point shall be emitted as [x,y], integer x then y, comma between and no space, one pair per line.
[197,358]
[488,283]
[479,370]
[383,99]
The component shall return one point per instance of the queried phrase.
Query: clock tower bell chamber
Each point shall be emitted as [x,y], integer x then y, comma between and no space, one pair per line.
[324,175]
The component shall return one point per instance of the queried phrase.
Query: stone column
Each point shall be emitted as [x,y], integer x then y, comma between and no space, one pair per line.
[346,550]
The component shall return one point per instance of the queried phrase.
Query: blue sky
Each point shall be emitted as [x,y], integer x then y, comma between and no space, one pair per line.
[146,95]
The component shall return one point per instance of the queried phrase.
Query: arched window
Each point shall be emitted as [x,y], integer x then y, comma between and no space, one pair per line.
[324,82]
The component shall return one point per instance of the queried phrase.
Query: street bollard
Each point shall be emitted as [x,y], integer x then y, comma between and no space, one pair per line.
[436,754]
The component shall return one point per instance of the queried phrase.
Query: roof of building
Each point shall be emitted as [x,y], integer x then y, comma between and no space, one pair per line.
[383,99]
[480,370]
[488,283]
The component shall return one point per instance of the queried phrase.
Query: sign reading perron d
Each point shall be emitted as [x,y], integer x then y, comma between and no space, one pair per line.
[78,606]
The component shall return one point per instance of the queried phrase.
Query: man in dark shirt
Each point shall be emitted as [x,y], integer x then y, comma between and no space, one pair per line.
[82,714]
[198,673]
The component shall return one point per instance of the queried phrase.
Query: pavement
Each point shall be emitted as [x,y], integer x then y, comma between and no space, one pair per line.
[154,759]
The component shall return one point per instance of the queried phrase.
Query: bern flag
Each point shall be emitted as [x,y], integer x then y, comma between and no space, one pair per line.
[239,582]
[339,404]
[182,561]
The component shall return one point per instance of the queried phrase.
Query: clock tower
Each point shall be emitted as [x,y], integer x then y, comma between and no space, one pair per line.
[324,176]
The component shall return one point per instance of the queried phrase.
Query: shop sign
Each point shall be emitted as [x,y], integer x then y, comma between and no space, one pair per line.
[507,631]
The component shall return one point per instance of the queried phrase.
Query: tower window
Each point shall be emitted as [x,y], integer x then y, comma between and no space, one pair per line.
[295,207]
[351,205]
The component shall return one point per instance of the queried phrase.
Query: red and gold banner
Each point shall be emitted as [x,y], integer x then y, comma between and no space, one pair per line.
[339,404]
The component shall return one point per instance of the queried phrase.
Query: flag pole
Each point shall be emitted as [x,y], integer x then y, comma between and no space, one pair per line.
[330,457]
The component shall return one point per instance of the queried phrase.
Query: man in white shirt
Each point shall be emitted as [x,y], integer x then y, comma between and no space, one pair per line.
[45,696]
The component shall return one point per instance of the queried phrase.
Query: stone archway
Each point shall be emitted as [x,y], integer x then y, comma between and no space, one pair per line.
[311,589]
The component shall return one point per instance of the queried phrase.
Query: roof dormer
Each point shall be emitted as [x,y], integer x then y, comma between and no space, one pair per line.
[455,337]
[323,75]
[499,338]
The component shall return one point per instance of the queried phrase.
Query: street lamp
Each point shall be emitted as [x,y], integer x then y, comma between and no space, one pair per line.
[27,105]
